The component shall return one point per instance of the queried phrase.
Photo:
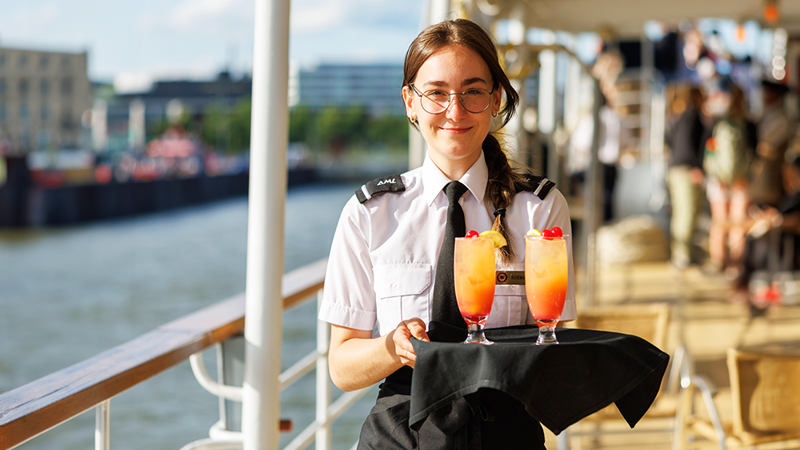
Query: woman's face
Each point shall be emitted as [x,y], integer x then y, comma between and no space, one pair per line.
[455,136]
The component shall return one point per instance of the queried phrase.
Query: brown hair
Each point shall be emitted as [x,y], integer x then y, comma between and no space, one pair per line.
[502,178]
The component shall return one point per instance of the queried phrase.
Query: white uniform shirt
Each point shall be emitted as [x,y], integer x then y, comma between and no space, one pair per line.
[383,258]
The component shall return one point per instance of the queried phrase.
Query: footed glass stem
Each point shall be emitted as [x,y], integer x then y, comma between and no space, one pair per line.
[475,333]
[547,332]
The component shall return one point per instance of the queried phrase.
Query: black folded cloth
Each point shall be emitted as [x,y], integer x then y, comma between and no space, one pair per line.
[558,385]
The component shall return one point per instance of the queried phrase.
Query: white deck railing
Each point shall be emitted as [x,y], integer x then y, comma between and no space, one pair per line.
[326,412]
[37,407]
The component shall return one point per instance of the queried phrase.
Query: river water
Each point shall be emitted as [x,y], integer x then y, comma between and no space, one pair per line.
[68,294]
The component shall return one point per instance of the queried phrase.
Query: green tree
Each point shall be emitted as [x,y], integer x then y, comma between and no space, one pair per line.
[390,130]
[340,127]
[227,129]
[240,127]
[335,128]
[301,124]
[216,127]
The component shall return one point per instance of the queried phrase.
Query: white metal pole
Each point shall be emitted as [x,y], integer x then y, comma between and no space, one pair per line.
[572,91]
[102,426]
[517,37]
[323,440]
[439,11]
[547,105]
[265,226]
[592,208]
[416,148]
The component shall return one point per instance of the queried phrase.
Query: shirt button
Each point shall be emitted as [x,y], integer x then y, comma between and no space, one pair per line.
[394,287]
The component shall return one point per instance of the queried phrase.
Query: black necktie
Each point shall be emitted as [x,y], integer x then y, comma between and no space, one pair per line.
[445,307]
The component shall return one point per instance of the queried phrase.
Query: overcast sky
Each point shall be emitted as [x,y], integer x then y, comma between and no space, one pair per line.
[133,42]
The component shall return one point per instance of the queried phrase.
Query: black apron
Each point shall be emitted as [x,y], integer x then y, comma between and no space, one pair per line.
[486,420]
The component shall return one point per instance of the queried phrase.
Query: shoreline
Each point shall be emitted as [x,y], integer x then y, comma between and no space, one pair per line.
[38,206]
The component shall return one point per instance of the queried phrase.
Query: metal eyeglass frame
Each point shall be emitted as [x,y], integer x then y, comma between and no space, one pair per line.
[450,100]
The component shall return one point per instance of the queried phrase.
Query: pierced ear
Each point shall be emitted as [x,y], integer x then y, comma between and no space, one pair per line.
[408,101]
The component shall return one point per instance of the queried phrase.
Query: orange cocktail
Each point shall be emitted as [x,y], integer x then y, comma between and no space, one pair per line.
[474,271]
[546,276]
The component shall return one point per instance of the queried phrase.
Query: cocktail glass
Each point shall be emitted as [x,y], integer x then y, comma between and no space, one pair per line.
[474,272]
[546,275]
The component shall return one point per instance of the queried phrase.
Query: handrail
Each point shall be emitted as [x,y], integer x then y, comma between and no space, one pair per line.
[326,411]
[32,409]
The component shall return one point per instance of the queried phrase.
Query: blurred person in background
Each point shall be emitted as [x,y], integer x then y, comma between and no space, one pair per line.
[773,238]
[685,176]
[614,137]
[774,132]
[728,155]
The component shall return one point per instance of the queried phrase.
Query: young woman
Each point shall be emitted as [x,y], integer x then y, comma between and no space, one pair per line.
[384,254]
[727,168]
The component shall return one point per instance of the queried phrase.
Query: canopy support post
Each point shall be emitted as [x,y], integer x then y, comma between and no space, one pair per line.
[265,226]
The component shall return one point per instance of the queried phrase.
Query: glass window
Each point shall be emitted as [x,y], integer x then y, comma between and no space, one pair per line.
[44,61]
[43,139]
[66,119]
[24,113]
[23,60]
[3,86]
[24,87]
[3,113]
[45,87]
[66,86]
[45,113]
[2,59]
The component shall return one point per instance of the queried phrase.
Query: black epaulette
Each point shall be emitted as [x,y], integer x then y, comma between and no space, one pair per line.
[392,183]
[539,185]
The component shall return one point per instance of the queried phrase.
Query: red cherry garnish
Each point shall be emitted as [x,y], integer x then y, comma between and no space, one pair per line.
[472,234]
[557,232]
[548,233]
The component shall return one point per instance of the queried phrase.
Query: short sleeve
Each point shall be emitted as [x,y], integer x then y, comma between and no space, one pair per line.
[349,299]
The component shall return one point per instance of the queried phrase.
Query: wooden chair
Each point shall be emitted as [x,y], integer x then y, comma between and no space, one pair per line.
[764,402]
[650,322]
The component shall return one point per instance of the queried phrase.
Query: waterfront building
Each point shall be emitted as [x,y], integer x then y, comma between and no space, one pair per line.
[122,122]
[129,116]
[43,96]
[376,87]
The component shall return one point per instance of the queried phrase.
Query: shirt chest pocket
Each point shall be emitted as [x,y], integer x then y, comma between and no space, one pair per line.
[402,292]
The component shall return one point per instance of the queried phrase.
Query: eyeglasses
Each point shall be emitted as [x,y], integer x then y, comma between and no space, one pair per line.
[436,101]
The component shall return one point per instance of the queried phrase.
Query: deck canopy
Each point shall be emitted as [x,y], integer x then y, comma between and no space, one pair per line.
[626,18]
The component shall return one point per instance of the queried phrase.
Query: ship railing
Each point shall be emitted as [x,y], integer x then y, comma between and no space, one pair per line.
[39,406]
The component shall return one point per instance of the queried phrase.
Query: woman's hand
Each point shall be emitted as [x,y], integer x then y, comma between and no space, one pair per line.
[358,360]
[401,337]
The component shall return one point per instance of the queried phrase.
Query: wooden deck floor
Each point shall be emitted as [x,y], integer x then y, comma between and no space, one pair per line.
[702,319]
